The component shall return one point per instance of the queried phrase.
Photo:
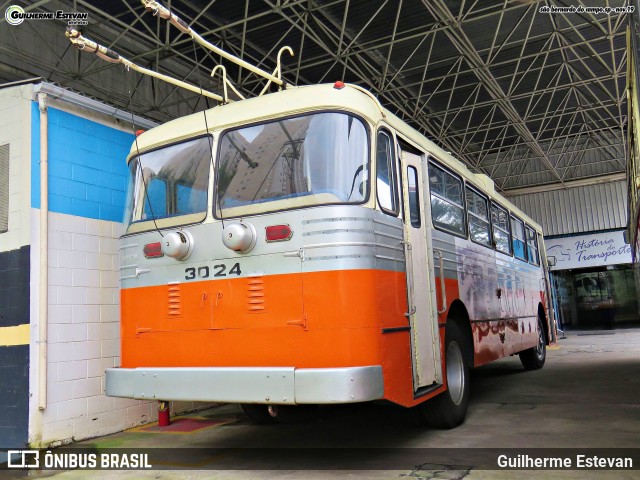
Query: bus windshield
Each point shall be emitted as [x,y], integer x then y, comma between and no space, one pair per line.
[313,159]
[171,181]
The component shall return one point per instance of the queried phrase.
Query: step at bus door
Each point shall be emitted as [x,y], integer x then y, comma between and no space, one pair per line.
[421,289]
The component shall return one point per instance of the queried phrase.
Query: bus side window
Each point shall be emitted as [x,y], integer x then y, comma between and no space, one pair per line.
[500,229]
[447,209]
[386,178]
[478,218]
[414,197]
[532,246]
[517,229]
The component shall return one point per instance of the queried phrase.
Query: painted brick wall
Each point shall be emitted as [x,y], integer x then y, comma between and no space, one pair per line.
[87,169]
[14,401]
[14,271]
[87,180]
[14,358]
[15,124]
[84,336]
[14,287]
[87,187]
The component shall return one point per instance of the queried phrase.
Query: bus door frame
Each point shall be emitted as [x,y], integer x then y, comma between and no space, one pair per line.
[420,273]
[547,287]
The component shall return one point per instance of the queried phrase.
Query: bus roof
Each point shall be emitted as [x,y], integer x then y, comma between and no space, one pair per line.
[297,100]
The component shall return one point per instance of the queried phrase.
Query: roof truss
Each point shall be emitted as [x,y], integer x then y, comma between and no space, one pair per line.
[527,97]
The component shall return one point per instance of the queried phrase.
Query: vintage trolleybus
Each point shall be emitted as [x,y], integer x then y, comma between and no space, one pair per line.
[308,247]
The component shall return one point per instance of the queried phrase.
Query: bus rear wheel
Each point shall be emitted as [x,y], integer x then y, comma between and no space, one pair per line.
[448,410]
[533,358]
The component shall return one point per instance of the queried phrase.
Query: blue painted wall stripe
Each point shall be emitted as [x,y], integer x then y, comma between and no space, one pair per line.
[87,169]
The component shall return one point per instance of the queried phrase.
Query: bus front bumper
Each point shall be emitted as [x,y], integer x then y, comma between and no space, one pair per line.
[269,385]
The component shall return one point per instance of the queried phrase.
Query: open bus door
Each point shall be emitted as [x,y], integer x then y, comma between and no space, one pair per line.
[421,290]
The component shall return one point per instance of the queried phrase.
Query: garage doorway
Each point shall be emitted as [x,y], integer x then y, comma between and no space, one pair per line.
[600,298]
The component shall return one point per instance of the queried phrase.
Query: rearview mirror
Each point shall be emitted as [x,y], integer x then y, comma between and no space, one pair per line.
[551,261]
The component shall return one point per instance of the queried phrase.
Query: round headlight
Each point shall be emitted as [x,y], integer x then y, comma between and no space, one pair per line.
[178,245]
[239,237]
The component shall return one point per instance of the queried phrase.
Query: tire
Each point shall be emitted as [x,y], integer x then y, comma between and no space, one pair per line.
[258,413]
[271,414]
[533,358]
[449,409]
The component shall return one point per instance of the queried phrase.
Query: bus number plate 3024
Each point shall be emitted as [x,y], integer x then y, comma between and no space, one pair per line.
[221,270]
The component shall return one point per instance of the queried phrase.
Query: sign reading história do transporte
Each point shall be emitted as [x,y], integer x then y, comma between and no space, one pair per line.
[593,250]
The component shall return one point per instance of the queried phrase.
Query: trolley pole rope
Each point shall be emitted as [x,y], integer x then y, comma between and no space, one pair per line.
[83,43]
[157,8]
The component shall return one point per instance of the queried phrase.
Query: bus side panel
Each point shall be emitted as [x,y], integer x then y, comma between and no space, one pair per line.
[397,354]
[501,296]
[533,299]
[529,333]
[343,299]
[487,344]
[396,338]
[397,367]
[364,300]
[452,289]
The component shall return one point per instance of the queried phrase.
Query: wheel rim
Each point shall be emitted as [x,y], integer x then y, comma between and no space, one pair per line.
[541,344]
[455,373]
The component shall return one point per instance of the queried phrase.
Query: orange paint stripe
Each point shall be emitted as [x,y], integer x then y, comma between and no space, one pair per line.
[336,320]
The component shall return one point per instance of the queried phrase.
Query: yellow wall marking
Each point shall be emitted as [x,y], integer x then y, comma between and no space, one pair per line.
[14,335]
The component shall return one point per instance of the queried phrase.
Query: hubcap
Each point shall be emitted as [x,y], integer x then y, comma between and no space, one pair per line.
[540,346]
[455,373]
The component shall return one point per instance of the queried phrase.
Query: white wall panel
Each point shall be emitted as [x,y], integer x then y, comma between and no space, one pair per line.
[15,121]
[577,210]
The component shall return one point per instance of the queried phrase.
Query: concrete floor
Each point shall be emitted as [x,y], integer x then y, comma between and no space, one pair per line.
[586,396]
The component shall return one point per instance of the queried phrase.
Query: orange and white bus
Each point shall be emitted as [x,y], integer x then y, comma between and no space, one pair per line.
[308,247]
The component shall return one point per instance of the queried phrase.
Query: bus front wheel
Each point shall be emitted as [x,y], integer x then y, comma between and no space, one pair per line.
[258,413]
[270,414]
[533,358]
[449,409]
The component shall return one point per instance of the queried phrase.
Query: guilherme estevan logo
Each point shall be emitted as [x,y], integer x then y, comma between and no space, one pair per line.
[15,15]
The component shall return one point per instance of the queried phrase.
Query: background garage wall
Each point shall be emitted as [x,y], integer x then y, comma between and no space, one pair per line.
[87,181]
[578,209]
[14,269]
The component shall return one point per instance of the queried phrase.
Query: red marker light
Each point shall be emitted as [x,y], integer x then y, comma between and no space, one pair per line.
[153,250]
[339,85]
[139,132]
[278,233]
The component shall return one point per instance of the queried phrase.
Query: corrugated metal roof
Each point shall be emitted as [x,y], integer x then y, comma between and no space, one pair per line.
[477,77]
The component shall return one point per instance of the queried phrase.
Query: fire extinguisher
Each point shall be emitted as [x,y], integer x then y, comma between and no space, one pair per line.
[163,414]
